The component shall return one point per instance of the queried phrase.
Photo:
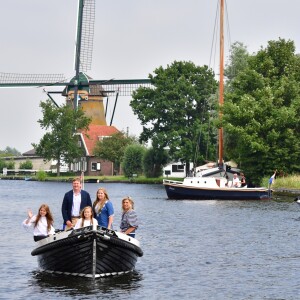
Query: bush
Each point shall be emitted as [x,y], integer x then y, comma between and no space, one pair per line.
[132,162]
[41,175]
[10,165]
[26,165]
[2,164]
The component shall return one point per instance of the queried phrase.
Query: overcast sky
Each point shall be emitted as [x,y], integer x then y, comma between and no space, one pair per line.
[132,38]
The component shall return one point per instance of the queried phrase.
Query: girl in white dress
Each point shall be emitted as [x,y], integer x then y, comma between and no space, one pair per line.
[42,223]
[86,218]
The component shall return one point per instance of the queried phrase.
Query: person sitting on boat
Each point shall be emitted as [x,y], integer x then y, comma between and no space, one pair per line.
[42,223]
[227,180]
[243,180]
[236,181]
[103,209]
[74,201]
[86,218]
[129,222]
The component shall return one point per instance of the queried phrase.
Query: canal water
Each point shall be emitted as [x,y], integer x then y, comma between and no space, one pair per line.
[192,249]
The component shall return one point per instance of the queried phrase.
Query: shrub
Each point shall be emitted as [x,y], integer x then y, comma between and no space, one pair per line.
[26,165]
[132,162]
[2,164]
[41,175]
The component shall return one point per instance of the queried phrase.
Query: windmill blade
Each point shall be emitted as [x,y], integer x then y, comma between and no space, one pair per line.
[84,35]
[124,87]
[30,80]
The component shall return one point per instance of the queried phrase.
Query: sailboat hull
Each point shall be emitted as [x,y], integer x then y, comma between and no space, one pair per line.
[177,190]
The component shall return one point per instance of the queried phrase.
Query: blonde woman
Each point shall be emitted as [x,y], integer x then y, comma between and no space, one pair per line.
[86,218]
[129,222]
[103,209]
[42,223]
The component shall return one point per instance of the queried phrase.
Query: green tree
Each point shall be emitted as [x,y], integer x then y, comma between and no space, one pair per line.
[113,147]
[153,162]
[8,151]
[132,162]
[26,165]
[237,62]
[61,141]
[261,112]
[174,112]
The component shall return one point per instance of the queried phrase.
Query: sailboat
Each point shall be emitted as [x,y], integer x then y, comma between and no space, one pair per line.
[214,183]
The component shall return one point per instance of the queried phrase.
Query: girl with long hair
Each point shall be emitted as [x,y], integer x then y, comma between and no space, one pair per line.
[103,209]
[42,223]
[86,218]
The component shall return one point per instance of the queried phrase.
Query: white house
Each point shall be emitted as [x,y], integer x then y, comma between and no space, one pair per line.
[176,169]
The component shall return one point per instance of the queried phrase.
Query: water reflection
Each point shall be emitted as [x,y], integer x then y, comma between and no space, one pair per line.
[77,286]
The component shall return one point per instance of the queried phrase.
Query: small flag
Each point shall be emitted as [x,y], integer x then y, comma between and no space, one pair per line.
[272,178]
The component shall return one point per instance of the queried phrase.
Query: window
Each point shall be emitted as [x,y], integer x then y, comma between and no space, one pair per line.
[96,166]
[178,168]
[101,138]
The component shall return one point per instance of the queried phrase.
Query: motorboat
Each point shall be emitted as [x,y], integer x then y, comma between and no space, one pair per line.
[91,251]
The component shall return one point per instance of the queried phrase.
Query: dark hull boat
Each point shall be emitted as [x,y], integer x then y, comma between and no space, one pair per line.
[88,252]
[213,185]
[180,190]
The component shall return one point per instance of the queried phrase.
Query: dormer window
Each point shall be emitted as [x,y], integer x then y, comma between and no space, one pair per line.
[101,138]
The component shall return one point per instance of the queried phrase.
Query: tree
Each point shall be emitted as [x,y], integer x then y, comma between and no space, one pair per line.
[132,162]
[153,162]
[175,111]
[61,142]
[8,151]
[113,147]
[261,112]
[238,61]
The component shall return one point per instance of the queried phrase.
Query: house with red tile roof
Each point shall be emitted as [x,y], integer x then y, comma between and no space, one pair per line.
[91,165]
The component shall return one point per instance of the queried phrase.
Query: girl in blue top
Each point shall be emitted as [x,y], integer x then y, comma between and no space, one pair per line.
[103,209]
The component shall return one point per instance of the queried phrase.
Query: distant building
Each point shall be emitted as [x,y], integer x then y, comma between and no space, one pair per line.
[91,165]
[176,169]
[38,162]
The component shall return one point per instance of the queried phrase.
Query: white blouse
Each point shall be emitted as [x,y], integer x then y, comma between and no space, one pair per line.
[41,227]
[85,223]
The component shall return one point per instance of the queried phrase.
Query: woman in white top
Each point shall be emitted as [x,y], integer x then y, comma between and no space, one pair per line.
[42,223]
[86,218]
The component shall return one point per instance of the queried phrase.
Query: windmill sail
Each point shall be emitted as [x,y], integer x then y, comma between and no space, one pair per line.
[83,62]
[84,35]
[23,80]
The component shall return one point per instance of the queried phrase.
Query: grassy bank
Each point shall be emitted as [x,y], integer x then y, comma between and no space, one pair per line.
[94,179]
[288,182]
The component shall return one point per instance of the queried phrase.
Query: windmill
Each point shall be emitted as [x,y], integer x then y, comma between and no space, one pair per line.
[81,90]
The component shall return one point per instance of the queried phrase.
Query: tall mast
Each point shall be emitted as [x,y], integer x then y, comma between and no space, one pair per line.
[221,83]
